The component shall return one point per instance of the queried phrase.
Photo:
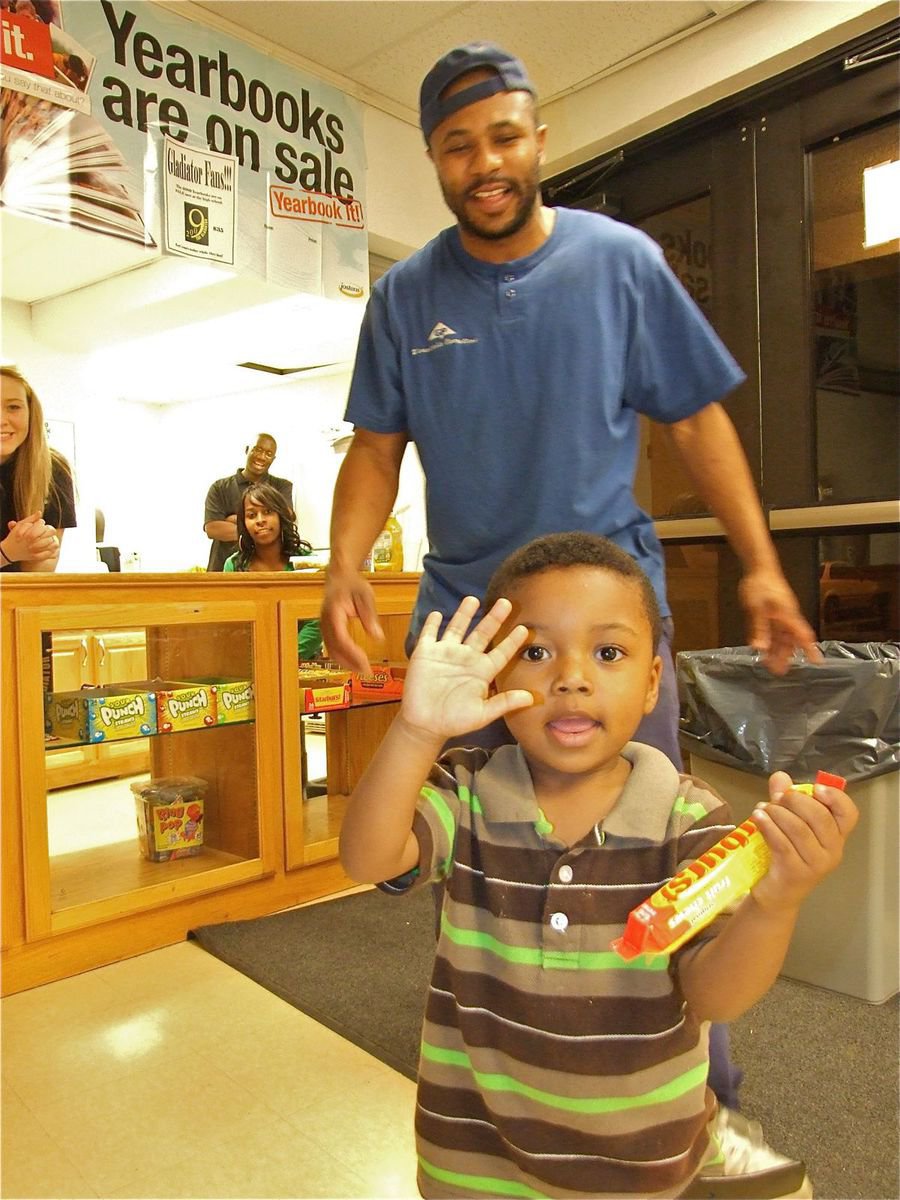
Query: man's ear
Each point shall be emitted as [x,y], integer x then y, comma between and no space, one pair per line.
[541,134]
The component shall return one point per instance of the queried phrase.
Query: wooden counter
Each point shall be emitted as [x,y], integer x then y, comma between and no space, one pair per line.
[69,908]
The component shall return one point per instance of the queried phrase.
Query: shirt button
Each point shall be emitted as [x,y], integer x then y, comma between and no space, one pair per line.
[509,278]
[559,922]
[510,293]
[565,874]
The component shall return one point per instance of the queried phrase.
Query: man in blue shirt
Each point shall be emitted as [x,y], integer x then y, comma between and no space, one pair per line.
[517,350]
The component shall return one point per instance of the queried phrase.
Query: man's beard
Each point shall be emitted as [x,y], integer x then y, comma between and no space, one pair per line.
[527,198]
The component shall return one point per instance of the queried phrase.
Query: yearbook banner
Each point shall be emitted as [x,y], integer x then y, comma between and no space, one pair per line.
[127,119]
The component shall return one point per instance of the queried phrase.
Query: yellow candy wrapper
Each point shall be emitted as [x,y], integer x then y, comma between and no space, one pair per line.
[694,897]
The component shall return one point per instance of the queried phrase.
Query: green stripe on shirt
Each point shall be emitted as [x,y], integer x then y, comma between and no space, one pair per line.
[480,1183]
[693,810]
[445,816]
[560,960]
[591,1106]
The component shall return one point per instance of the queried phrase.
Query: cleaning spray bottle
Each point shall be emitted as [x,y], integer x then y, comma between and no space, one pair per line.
[387,553]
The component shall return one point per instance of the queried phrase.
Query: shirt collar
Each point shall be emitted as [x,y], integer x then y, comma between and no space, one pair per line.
[492,270]
[641,813]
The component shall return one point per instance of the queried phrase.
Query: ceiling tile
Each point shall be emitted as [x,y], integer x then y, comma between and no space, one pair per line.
[387,47]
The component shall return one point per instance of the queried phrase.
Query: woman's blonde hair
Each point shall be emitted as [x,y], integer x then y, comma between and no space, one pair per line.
[32,473]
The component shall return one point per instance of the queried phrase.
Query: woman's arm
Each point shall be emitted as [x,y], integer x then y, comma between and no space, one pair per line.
[32,544]
[51,561]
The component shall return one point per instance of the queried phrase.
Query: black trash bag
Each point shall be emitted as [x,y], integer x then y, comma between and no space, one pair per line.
[842,715]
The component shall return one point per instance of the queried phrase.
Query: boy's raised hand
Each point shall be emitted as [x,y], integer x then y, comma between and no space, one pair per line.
[806,836]
[447,690]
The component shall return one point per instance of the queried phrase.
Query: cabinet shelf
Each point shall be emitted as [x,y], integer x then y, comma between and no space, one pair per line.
[322,820]
[323,815]
[102,872]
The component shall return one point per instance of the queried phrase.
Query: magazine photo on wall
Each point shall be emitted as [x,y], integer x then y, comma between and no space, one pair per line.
[40,58]
[61,165]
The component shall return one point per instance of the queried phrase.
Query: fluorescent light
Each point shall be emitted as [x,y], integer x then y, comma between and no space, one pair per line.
[881,203]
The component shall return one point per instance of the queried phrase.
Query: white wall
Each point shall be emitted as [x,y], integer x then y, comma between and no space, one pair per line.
[148,466]
[405,205]
[208,437]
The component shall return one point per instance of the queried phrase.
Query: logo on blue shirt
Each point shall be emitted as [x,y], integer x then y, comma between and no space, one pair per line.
[443,335]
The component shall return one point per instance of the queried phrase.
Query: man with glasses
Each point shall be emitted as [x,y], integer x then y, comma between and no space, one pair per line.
[226,495]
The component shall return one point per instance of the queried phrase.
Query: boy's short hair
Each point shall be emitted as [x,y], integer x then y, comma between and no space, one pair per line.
[575,549]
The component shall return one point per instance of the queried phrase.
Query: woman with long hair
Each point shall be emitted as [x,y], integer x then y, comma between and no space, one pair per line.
[37,501]
[267,540]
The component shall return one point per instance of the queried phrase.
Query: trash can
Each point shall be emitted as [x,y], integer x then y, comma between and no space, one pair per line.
[739,723]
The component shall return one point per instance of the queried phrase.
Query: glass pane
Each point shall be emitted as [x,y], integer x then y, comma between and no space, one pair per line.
[150,756]
[685,234]
[859,587]
[848,584]
[340,725]
[855,327]
[701,583]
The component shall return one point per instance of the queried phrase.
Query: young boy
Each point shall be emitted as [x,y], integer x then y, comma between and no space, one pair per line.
[549,1066]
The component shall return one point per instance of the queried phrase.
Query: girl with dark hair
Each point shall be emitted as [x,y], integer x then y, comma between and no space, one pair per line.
[267,532]
[37,500]
[267,539]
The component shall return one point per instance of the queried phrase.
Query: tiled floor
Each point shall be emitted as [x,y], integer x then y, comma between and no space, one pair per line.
[171,1074]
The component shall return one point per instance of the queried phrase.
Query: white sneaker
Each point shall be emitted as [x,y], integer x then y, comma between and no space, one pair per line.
[745,1167]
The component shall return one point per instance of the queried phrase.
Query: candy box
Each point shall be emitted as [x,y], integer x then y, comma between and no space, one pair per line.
[100,714]
[385,679]
[323,688]
[185,706]
[170,816]
[234,699]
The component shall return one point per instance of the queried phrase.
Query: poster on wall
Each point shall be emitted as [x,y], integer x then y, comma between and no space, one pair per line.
[38,57]
[114,113]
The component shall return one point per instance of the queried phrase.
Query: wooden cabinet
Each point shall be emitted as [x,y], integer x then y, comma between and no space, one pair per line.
[312,822]
[86,658]
[73,903]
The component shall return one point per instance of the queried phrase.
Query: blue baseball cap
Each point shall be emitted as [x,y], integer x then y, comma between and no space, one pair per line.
[510,76]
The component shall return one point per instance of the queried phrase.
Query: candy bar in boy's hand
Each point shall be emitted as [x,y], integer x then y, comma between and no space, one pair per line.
[694,897]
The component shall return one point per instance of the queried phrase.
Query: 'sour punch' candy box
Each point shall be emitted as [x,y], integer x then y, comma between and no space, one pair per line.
[181,706]
[100,714]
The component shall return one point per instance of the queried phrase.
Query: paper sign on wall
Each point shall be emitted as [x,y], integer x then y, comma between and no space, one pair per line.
[200,203]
